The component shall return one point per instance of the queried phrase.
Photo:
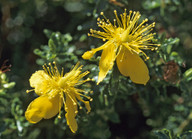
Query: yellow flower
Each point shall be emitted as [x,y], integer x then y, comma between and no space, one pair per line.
[125,41]
[54,90]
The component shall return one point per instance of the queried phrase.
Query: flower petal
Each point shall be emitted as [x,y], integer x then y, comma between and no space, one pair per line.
[89,54]
[71,110]
[106,62]
[40,80]
[42,107]
[130,64]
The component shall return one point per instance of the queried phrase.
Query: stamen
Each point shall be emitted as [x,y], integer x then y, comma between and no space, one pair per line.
[118,52]
[51,71]
[27,91]
[91,92]
[61,96]
[83,95]
[56,71]
[45,69]
[67,93]
[122,56]
[114,20]
[62,72]
[107,20]
[128,18]
[118,21]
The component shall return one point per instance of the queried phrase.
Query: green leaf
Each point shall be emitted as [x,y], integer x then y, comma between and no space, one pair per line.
[148,4]
[114,117]
[186,135]
[47,33]
[188,75]
[163,134]
[52,45]
[175,56]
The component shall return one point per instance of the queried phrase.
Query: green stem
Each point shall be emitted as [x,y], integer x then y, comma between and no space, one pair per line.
[184,124]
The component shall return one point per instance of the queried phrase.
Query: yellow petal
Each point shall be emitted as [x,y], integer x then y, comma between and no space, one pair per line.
[71,110]
[89,54]
[106,62]
[130,64]
[40,81]
[42,107]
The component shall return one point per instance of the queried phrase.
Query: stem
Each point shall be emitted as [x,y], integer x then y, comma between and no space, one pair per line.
[184,124]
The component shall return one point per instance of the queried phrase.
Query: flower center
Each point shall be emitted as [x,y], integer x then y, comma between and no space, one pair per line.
[62,83]
[121,35]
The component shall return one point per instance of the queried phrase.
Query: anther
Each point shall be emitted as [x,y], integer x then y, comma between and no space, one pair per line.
[91,92]
[147,58]
[27,91]
[101,13]
[88,79]
[92,79]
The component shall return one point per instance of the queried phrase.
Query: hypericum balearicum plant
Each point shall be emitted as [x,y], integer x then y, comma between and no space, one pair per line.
[126,39]
[56,90]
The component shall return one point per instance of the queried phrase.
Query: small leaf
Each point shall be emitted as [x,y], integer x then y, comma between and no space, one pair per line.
[188,75]
[186,135]
[163,134]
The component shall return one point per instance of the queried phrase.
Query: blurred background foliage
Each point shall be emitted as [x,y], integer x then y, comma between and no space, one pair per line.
[34,32]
